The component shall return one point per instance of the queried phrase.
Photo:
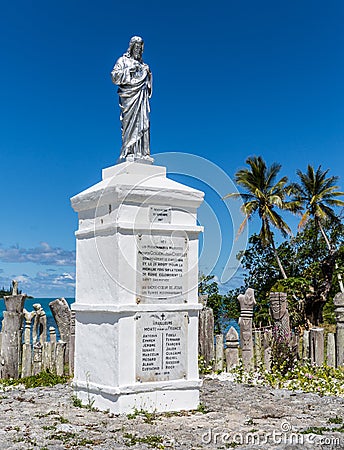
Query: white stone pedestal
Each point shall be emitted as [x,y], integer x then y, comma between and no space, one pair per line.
[136,337]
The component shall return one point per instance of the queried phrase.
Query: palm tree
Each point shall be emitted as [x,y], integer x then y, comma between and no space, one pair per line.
[263,195]
[317,194]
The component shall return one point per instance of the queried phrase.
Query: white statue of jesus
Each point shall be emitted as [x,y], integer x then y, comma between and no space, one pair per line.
[134,80]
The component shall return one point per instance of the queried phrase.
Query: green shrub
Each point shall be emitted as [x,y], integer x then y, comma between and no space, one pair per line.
[42,379]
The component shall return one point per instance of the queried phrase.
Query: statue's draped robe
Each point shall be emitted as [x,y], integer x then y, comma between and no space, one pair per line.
[134,93]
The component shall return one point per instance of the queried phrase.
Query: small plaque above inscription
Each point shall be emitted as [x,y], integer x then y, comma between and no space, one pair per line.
[162,269]
[161,343]
[160,214]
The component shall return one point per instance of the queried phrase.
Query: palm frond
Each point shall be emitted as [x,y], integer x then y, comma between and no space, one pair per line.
[243,196]
[279,223]
[303,220]
[242,226]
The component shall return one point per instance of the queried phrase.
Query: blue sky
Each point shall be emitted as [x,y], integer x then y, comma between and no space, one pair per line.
[231,79]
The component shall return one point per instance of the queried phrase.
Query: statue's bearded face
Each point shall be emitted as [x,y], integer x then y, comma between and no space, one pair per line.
[137,50]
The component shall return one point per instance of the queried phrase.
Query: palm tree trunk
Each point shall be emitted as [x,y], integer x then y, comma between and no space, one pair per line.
[324,235]
[275,251]
[339,275]
[284,275]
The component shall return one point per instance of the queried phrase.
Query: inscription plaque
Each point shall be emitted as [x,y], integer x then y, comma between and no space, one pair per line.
[161,343]
[160,214]
[162,266]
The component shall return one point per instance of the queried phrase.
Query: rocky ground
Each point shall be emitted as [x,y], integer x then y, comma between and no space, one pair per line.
[231,416]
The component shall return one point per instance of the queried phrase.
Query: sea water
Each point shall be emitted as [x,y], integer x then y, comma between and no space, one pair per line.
[44,302]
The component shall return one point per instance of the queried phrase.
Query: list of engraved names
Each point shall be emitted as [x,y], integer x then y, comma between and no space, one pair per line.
[161,346]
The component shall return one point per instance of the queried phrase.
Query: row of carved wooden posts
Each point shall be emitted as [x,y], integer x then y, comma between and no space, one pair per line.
[254,346]
[26,350]
[21,355]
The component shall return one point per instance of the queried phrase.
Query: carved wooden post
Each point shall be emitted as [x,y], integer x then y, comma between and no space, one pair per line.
[280,315]
[27,351]
[267,338]
[14,287]
[206,332]
[60,357]
[52,334]
[331,350]
[11,334]
[219,352]
[232,348]
[46,355]
[317,346]
[339,311]
[37,358]
[247,302]
[62,315]
[39,325]
[27,330]
[305,346]
[258,347]
[72,343]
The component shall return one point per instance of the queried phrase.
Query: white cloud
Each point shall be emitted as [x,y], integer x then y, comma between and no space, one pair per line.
[22,279]
[66,276]
[44,284]
[44,255]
